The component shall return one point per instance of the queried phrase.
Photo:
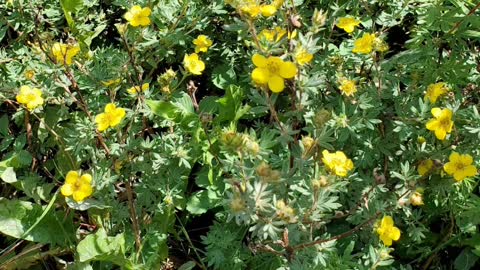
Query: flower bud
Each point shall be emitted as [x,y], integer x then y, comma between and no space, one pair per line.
[237,205]
[318,18]
[321,118]
[319,183]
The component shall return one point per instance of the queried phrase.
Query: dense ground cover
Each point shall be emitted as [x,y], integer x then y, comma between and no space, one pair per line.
[296,134]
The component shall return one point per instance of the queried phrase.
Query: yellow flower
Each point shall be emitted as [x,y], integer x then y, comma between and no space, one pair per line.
[435,90]
[138,16]
[302,57]
[137,89]
[272,71]
[348,24]
[78,186]
[112,83]
[425,167]
[347,87]
[110,118]
[252,10]
[272,35]
[417,198]
[202,43]
[337,162]
[364,44]
[30,97]
[268,10]
[64,53]
[442,124]
[278,3]
[193,64]
[387,231]
[29,74]
[460,166]
[380,45]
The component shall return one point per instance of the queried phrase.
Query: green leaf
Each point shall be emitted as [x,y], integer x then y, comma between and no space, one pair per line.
[466,260]
[100,247]
[85,205]
[8,175]
[198,203]
[4,126]
[71,5]
[223,76]
[20,219]
[163,109]
[187,266]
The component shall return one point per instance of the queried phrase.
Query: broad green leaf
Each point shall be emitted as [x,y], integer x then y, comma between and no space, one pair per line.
[100,247]
[71,5]
[17,217]
[8,175]
[163,109]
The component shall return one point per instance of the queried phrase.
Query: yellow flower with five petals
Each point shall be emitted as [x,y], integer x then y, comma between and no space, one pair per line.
[435,90]
[387,231]
[202,43]
[137,89]
[111,117]
[138,16]
[193,64]
[348,24]
[302,56]
[442,123]
[347,87]
[337,162]
[30,97]
[460,166]
[272,71]
[63,53]
[78,186]
[365,44]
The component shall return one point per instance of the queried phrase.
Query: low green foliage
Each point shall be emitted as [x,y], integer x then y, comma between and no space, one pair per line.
[296,134]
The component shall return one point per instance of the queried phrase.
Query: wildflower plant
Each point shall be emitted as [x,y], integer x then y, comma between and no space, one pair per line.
[258,134]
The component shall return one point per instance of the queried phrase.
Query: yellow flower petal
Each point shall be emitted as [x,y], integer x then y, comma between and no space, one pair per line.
[260,75]
[394,233]
[288,70]
[67,190]
[110,107]
[72,177]
[86,178]
[259,60]
[268,10]
[102,122]
[276,84]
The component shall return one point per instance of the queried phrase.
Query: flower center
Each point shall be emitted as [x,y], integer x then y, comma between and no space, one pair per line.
[459,166]
[273,66]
